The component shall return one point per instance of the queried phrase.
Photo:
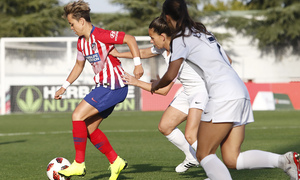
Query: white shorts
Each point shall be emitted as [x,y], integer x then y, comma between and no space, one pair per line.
[237,111]
[183,102]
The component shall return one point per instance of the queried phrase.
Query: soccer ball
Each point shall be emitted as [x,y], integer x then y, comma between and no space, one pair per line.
[56,165]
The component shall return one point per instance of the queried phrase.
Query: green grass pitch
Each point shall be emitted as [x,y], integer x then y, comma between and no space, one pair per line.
[29,142]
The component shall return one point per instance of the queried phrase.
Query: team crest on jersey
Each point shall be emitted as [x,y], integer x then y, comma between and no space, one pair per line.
[94,47]
[211,39]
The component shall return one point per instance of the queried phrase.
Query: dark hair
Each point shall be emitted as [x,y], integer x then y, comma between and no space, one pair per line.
[79,9]
[177,10]
[159,25]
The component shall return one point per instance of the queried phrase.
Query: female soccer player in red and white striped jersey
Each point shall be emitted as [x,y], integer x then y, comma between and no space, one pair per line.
[94,45]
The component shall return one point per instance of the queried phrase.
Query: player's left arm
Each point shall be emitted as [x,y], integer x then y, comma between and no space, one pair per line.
[168,77]
[132,44]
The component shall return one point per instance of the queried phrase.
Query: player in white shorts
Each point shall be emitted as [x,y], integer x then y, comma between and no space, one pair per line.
[228,109]
[194,96]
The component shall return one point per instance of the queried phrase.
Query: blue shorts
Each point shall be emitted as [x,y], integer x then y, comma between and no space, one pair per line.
[105,99]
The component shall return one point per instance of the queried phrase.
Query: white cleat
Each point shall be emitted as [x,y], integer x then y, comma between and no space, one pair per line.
[185,165]
[289,162]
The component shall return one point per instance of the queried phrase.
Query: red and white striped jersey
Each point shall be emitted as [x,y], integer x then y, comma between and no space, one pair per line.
[107,68]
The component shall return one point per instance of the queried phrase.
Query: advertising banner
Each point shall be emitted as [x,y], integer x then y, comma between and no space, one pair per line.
[156,102]
[32,99]
[264,96]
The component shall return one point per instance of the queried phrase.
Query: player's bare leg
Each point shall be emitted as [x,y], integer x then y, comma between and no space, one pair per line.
[191,130]
[192,125]
[171,118]
[210,136]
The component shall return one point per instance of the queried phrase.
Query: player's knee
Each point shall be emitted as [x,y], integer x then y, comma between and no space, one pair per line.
[229,157]
[204,150]
[165,130]
[230,163]
[76,116]
[200,155]
[161,129]
[190,138]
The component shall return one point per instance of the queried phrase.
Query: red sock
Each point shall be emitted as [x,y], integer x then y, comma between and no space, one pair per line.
[79,137]
[101,142]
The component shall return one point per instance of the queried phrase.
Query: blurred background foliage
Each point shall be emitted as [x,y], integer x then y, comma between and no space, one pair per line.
[275,24]
[34,18]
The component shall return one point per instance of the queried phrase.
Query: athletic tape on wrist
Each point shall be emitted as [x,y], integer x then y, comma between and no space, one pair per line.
[66,84]
[137,61]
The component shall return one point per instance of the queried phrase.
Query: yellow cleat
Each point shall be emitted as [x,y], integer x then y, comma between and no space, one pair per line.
[76,169]
[117,167]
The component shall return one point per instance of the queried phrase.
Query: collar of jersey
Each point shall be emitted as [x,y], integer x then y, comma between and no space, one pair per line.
[93,29]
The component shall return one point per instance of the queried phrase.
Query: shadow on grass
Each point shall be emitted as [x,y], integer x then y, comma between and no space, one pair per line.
[12,142]
[136,168]
[194,172]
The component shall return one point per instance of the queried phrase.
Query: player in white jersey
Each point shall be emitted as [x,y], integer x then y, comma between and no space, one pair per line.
[94,45]
[228,109]
[194,96]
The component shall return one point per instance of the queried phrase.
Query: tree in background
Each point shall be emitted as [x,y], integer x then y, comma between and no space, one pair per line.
[138,15]
[24,18]
[275,24]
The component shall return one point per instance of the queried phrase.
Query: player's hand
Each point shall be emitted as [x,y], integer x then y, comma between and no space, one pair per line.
[114,52]
[130,80]
[59,93]
[138,71]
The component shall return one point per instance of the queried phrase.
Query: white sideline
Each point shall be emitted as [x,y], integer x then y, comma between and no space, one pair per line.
[68,132]
[131,130]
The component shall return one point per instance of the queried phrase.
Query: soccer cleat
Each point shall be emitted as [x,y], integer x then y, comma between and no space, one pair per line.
[117,167]
[289,162]
[185,165]
[76,169]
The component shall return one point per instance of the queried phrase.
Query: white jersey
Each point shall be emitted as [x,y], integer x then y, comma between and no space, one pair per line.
[189,78]
[204,54]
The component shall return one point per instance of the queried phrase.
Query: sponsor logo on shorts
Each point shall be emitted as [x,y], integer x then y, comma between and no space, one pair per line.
[205,112]
[197,102]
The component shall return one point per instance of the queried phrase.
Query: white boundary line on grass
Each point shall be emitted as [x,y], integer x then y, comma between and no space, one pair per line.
[68,132]
[129,131]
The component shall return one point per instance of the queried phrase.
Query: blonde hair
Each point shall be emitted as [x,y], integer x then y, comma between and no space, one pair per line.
[78,9]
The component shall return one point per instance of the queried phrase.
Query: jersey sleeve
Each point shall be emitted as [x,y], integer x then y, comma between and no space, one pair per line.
[179,49]
[155,50]
[109,36]
[80,56]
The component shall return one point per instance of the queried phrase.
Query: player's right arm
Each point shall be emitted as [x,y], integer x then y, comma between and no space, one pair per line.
[131,80]
[74,74]
[144,53]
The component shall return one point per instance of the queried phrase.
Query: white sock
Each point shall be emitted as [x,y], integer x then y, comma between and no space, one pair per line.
[214,168]
[195,144]
[256,159]
[177,138]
